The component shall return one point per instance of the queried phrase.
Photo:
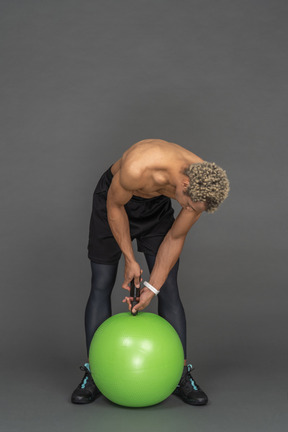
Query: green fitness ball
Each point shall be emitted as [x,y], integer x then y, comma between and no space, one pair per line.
[136,361]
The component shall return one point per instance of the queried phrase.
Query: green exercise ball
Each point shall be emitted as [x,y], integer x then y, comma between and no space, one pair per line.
[136,361]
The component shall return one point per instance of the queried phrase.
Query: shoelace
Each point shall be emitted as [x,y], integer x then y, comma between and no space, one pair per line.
[190,367]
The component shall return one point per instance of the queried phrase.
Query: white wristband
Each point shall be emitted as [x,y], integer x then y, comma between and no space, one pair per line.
[148,285]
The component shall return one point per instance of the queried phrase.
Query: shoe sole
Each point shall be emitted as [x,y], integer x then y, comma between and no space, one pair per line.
[191,402]
[85,402]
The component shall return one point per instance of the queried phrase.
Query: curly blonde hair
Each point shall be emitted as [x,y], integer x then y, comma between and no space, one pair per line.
[207,182]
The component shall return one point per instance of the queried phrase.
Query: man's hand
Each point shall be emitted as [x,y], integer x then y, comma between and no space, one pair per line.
[146,296]
[132,271]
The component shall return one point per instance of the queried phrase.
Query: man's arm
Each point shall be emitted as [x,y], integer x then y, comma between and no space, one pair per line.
[171,247]
[119,194]
[117,197]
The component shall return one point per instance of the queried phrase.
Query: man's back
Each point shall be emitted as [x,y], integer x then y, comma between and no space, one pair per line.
[154,160]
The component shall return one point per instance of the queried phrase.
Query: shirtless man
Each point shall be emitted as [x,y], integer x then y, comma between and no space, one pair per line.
[133,200]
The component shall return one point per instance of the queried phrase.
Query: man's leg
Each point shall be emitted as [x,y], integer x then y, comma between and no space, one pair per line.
[169,303]
[98,309]
[170,308]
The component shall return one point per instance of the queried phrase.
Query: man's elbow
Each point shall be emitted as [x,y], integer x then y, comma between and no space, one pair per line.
[176,236]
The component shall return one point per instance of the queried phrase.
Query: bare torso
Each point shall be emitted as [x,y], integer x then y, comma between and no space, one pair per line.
[156,159]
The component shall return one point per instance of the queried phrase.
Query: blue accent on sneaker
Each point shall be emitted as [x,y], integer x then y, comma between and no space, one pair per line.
[87,366]
[191,380]
[84,383]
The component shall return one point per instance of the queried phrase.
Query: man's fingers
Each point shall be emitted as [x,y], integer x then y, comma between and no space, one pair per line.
[126,286]
[128,300]
[137,308]
[138,279]
[137,282]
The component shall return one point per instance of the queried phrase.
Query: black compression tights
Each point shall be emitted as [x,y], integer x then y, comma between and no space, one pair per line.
[98,307]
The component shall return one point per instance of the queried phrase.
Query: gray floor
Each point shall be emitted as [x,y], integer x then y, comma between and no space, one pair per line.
[246,383]
[240,399]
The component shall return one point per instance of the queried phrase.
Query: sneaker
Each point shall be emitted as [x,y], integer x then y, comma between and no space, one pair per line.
[86,391]
[188,390]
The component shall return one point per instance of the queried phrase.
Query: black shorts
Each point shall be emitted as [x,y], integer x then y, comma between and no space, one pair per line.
[149,220]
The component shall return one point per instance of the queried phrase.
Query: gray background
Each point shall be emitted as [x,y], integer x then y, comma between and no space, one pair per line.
[81,81]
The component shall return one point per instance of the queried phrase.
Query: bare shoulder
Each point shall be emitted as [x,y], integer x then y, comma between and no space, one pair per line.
[142,151]
[138,150]
[131,175]
[135,162]
[150,151]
